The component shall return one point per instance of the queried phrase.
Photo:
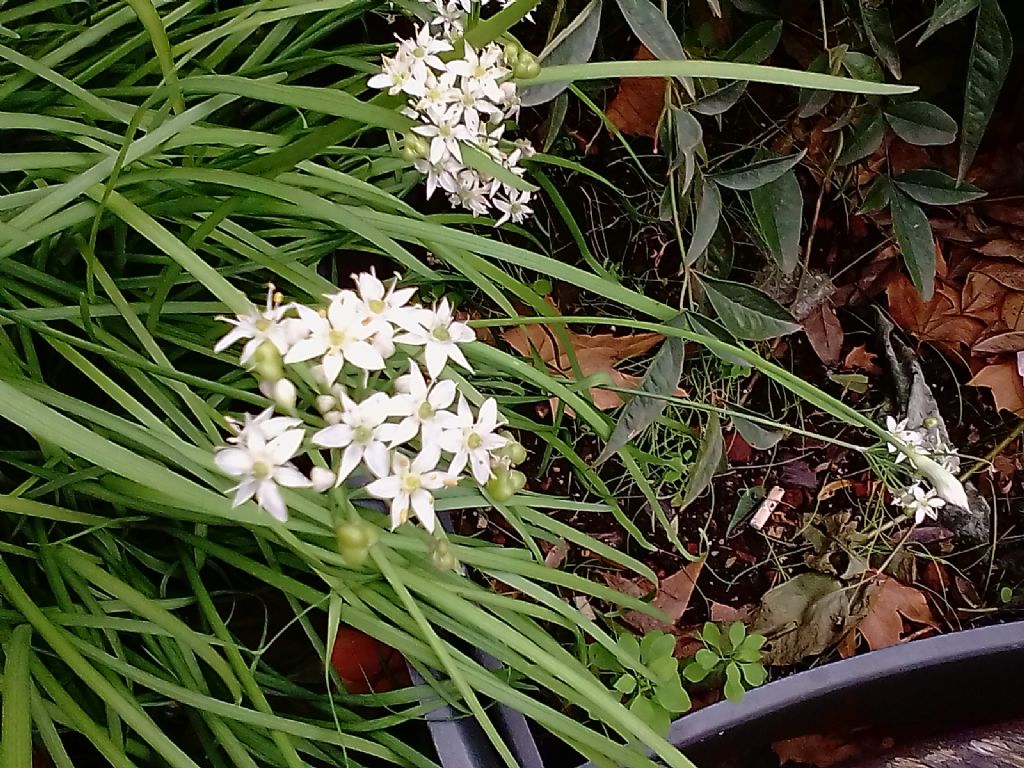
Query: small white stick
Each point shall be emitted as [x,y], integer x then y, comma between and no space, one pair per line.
[764,511]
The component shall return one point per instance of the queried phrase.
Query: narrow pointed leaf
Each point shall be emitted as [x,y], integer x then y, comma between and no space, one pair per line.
[986,73]
[921,123]
[864,138]
[758,173]
[573,45]
[756,44]
[709,457]
[916,242]
[709,212]
[878,28]
[936,188]
[652,28]
[778,207]
[720,100]
[945,13]
[747,312]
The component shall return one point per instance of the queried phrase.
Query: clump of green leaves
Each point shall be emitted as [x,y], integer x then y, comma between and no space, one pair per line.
[655,698]
[733,657]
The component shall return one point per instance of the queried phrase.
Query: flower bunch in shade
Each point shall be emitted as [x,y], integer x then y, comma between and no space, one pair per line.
[461,99]
[368,370]
[933,464]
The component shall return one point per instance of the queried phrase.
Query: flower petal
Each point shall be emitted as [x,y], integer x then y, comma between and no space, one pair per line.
[334,436]
[269,497]
[233,461]
[423,507]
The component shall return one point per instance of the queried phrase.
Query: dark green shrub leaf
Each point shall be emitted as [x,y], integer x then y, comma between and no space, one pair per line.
[936,188]
[778,207]
[713,329]
[719,101]
[986,72]
[733,688]
[662,378]
[758,173]
[709,211]
[748,500]
[747,312]
[709,457]
[916,242]
[689,137]
[921,123]
[878,196]
[652,28]
[573,45]
[813,100]
[945,13]
[756,436]
[756,44]
[878,28]
[864,138]
[863,67]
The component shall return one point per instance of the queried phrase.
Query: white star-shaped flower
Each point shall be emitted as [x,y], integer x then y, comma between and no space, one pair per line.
[362,432]
[338,335]
[440,338]
[409,488]
[472,440]
[921,503]
[422,408]
[260,325]
[261,457]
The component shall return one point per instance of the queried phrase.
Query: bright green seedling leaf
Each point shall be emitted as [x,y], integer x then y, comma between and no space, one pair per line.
[745,506]
[602,658]
[778,207]
[657,645]
[878,29]
[756,44]
[573,45]
[936,188]
[695,672]
[878,195]
[720,100]
[665,667]
[864,138]
[755,674]
[916,242]
[671,696]
[711,634]
[758,173]
[709,458]
[733,684]
[921,123]
[989,64]
[707,658]
[629,645]
[946,13]
[737,633]
[662,378]
[625,684]
[705,223]
[747,312]
[757,436]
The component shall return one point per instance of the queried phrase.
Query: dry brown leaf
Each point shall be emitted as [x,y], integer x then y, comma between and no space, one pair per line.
[1003,249]
[722,613]
[859,359]
[939,319]
[998,340]
[598,354]
[1005,383]
[637,107]
[889,603]
[824,332]
[821,750]
[672,597]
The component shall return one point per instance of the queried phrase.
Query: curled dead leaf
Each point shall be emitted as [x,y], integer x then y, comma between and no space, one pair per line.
[672,596]
[1005,383]
[639,102]
[889,603]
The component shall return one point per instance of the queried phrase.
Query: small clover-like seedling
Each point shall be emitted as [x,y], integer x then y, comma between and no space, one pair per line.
[653,699]
[733,658]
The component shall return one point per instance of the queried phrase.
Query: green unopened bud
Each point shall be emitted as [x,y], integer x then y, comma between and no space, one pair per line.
[355,540]
[414,147]
[516,453]
[443,557]
[517,479]
[501,487]
[512,53]
[267,362]
[526,67]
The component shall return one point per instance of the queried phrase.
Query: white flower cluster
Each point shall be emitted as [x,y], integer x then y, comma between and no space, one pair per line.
[934,462]
[459,102]
[357,362]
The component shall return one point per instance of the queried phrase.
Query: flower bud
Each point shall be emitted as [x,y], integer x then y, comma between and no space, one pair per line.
[414,147]
[325,403]
[267,362]
[322,479]
[284,394]
[319,375]
[333,417]
[945,483]
[512,53]
[443,557]
[526,66]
